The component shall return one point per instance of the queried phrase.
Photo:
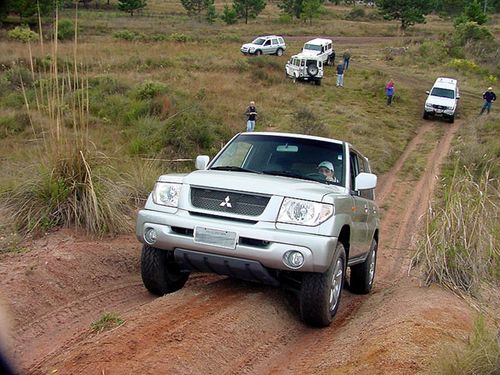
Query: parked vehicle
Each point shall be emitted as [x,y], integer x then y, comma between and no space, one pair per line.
[304,67]
[262,210]
[442,100]
[321,48]
[265,45]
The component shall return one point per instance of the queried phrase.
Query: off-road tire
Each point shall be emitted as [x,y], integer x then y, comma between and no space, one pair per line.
[279,52]
[317,82]
[451,119]
[258,52]
[317,289]
[425,116]
[160,273]
[363,274]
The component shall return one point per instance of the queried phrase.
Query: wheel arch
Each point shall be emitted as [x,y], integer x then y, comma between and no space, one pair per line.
[345,238]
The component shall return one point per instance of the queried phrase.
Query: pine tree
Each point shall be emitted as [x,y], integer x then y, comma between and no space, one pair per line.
[311,9]
[131,6]
[409,12]
[248,8]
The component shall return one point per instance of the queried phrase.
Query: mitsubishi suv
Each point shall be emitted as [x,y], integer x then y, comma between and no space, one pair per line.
[281,209]
[442,100]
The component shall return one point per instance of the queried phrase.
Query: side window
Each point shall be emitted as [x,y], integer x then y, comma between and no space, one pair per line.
[353,159]
[275,42]
[302,62]
[281,41]
[267,43]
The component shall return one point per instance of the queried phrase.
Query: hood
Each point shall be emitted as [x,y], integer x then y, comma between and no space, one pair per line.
[261,184]
[249,45]
[308,52]
[438,100]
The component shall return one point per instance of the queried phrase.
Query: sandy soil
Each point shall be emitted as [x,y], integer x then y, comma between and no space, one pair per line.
[216,325]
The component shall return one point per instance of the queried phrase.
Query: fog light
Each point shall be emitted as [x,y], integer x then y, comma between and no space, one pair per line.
[150,236]
[293,259]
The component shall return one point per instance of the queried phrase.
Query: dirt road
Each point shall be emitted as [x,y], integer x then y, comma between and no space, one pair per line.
[217,325]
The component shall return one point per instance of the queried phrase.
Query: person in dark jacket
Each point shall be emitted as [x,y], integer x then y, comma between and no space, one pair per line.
[340,74]
[251,114]
[489,97]
[346,56]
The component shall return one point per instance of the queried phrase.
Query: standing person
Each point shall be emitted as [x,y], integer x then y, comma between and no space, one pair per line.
[488,96]
[251,114]
[340,74]
[389,91]
[346,56]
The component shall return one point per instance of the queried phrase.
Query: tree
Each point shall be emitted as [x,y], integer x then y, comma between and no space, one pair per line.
[26,8]
[409,12]
[474,13]
[131,6]
[291,7]
[248,8]
[211,13]
[195,7]
[229,15]
[311,9]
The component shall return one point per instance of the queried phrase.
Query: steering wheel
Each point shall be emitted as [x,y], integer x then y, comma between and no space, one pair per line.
[316,176]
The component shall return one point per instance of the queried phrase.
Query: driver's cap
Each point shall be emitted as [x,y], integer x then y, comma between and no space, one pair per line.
[326,164]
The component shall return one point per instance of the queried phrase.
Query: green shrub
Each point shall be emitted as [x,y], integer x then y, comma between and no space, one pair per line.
[106,322]
[471,32]
[19,76]
[466,66]
[65,30]
[180,38]
[150,89]
[128,35]
[23,34]
[305,121]
[10,125]
[356,13]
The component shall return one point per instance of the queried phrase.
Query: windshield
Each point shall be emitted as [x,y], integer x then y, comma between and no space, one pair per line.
[284,156]
[259,41]
[443,93]
[312,47]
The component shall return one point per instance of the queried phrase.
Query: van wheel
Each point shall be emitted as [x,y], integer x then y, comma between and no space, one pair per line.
[161,274]
[319,297]
[279,52]
[362,275]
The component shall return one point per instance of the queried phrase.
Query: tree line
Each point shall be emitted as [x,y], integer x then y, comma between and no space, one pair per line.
[408,12]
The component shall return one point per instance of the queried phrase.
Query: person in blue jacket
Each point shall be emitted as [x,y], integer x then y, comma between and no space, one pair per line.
[389,91]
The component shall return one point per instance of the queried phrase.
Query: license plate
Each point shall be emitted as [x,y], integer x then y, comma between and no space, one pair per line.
[215,237]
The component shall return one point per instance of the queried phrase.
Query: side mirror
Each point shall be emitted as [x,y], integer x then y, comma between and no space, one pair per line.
[458,96]
[365,181]
[202,161]
[427,92]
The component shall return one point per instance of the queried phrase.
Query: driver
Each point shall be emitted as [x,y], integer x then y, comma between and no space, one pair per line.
[327,170]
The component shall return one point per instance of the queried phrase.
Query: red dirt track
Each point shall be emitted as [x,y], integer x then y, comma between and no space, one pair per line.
[218,325]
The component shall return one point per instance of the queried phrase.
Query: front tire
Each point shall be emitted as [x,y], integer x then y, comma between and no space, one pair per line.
[362,275]
[425,116]
[451,119]
[161,274]
[320,293]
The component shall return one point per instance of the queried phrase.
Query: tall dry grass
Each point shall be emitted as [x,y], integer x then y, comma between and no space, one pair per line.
[73,184]
[460,249]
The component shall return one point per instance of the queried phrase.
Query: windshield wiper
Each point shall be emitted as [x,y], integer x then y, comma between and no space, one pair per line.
[234,168]
[289,174]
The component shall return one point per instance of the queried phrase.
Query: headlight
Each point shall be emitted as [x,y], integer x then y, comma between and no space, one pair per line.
[428,106]
[166,194]
[295,211]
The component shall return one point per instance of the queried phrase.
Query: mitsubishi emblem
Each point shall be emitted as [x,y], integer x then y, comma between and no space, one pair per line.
[226,203]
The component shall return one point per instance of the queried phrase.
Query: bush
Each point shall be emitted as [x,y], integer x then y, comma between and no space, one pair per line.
[150,89]
[23,34]
[466,66]
[13,124]
[128,35]
[180,38]
[17,76]
[356,13]
[471,32]
[65,30]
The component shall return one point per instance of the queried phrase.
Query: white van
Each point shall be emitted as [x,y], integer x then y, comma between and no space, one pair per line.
[442,100]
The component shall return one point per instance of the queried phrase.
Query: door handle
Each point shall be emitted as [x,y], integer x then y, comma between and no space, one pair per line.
[366,208]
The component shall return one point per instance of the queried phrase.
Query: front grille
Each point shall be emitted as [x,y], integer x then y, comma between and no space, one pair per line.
[228,201]
[439,106]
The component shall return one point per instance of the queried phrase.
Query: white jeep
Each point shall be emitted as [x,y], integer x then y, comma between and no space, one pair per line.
[320,48]
[303,67]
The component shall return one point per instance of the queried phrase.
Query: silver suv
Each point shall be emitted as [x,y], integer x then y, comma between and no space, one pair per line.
[282,209]
[304,67]
[265,45]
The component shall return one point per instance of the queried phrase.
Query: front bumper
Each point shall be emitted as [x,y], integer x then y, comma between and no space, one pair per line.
[440,112]
[258,241]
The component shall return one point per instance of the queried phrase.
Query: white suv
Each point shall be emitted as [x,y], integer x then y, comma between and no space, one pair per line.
[321,48]
[267,45]
[442,100]
[305,67]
